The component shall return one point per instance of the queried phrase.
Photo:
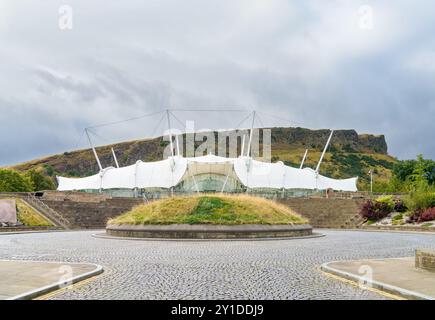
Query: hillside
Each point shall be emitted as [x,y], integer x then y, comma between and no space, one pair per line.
[349,154]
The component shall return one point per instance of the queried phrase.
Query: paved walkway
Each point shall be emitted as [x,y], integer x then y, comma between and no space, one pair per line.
[398,276]
[276,269]
[28,279]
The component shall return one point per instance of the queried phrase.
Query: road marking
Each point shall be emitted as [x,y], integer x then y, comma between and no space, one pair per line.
[74,286]
[355,284]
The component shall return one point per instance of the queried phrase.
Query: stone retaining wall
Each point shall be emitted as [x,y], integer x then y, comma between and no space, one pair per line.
[327,213]
[92,214]
[425,259]
[400,228]
[94,210]
[24,228]
[183,231]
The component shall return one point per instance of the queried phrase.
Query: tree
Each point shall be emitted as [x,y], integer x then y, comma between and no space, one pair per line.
[415,170]
[40,181]
[403,169]
[423,171]
[14,181]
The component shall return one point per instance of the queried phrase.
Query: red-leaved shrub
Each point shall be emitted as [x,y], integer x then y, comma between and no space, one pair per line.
[373,210]
[415,216]
[421,216]
[428,215]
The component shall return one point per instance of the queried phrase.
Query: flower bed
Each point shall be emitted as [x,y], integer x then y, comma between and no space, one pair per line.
[387,211]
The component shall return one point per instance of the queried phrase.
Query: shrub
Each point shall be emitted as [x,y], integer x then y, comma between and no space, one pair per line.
[421,200]
[14,181]
[164,144]
[428,215]
[403,169]
[387,201]
[49,169]
[399,206]
[398,217]
[374,210]
[379,186]
[348,148]
[40,181]
[414,170]
[414,217]
[419,215]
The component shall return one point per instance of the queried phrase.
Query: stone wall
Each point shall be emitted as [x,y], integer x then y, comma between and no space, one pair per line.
[327,213]
[93,211]
[89,212]
[403,228]
[204,231]
[425,259]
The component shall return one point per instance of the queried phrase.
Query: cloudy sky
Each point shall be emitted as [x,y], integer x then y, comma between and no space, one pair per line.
[364,65]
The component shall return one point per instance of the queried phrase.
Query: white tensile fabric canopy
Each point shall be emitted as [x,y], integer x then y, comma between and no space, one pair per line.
[160,174]
[257,174]
[168,173]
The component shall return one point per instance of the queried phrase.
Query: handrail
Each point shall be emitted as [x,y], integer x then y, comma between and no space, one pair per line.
[51,213]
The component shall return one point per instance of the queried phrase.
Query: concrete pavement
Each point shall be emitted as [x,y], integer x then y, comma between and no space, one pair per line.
[398,276]
[273,269]
[29,279]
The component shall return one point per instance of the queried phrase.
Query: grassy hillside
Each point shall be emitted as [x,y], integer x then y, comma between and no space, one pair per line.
[341,164]
[349,155]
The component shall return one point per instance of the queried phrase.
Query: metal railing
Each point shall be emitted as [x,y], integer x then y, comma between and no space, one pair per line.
[51,214]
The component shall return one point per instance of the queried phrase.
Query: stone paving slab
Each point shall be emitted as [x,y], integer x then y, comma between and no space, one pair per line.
[394,275]
[247,270]
[29,279]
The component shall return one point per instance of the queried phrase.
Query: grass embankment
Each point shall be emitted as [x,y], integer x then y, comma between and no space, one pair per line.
[28,216]
[215,209]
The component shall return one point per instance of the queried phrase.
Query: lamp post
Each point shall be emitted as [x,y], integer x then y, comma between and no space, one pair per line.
[371,181]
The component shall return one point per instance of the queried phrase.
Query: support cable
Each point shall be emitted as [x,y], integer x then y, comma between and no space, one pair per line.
[125,120]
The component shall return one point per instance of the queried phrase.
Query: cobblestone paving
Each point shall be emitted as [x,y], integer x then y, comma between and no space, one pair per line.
[276,269]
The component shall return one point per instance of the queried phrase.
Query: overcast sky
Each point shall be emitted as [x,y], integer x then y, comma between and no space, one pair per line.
[368,66]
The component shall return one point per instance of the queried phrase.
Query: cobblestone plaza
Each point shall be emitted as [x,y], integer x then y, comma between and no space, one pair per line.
[268,269]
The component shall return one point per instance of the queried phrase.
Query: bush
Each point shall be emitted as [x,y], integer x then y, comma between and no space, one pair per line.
[374,210]
[414,217]
[398,217]
[400,206]
[40,181]
[413,170]
[14,181]
[421,216]
[421,200]
[49,170]
[428,215]
[379,186]
[388,201]
[403,169]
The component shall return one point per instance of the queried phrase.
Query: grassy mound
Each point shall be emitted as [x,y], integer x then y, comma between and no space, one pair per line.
[215,209]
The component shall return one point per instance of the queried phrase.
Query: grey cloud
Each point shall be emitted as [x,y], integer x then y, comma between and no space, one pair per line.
[305,61]
[54,84]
